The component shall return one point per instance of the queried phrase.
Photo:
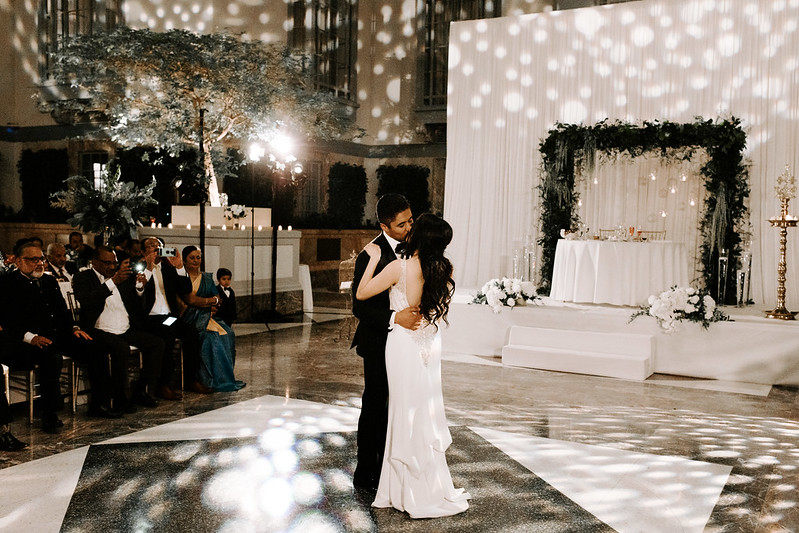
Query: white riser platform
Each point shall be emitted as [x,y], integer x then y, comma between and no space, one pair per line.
[616,355]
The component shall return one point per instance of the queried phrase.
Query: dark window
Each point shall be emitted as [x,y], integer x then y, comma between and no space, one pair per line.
[310,197]
[61,19]
[435,46]
[326,31]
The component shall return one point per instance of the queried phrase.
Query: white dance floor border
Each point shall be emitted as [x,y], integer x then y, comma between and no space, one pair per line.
[750,348]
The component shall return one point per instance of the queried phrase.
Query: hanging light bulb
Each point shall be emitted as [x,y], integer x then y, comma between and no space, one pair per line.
[579,203]
[652,176]
[683,178]
[673,189]
[596,181]
[692,202]
[663,214]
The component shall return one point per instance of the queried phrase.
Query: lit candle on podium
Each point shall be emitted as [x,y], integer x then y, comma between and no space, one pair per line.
[260,227]
[159,224]
[169,225]
[289,228]
[188,226]
[152,225]
[280,228]
[224,227]
[208,226]
[243,227]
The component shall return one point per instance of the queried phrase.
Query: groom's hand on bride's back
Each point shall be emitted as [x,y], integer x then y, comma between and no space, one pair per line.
[408,318]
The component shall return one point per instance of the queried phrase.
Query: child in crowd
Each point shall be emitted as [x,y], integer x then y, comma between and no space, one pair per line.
[227,303]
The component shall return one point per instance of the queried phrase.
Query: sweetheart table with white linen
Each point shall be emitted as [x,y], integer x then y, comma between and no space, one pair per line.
[618,273]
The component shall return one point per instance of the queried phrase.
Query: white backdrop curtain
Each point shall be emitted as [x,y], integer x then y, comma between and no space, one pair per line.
[511,79]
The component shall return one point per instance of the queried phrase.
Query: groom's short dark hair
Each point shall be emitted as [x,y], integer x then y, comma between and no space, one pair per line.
[389,206]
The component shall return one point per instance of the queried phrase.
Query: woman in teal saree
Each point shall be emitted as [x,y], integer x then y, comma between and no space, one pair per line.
[217,341]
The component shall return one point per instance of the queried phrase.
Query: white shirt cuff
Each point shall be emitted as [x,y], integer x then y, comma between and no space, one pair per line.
[181,271]
[28,337]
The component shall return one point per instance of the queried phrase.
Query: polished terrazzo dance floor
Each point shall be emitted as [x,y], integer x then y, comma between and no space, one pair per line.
[538,451]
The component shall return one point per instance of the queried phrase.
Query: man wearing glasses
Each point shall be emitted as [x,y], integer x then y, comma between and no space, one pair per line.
[112,312]
[40,329]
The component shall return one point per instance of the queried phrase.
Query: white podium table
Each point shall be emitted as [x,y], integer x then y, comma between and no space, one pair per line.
[618,273]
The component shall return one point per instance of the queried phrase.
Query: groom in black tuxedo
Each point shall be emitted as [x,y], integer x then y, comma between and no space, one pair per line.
[375,320]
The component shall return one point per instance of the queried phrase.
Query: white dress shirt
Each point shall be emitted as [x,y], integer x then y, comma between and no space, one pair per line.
[161,306]
[114,318]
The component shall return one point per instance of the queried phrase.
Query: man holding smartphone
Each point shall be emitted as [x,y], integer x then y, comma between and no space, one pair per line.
[165,278]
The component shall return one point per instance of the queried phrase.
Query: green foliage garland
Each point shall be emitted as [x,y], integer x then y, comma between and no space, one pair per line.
[570,146]
[347,194]
[407,180]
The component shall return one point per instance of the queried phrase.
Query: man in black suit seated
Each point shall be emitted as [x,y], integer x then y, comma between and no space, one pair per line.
[57,265]
[111,310]
[39,329]
[227,298]
[165,279]
[78,253]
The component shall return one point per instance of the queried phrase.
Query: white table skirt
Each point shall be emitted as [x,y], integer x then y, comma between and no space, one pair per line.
[618,273]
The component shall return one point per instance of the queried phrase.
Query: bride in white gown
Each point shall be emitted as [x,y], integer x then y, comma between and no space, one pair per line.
[415,477]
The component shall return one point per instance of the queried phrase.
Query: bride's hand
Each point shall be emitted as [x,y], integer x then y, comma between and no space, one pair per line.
[373,250]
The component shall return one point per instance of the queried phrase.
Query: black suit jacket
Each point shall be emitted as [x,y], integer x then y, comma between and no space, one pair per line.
[227,305]
[69,268]
[92,295]
[38,309]
[374,313]
[174,284]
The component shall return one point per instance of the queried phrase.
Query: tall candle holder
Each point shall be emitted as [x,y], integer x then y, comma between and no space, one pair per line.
[786,189]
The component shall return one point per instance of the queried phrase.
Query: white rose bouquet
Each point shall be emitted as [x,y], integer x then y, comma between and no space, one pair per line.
[682,303]
[506,292]
[235,211]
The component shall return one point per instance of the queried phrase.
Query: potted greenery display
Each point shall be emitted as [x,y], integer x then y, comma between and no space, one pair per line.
[113,208]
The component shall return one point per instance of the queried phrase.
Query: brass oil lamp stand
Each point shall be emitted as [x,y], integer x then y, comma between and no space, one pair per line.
[784,221]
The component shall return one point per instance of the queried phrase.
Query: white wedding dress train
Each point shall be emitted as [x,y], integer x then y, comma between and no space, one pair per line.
[415,477]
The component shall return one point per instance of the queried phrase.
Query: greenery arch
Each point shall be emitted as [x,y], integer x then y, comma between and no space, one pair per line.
[569,147]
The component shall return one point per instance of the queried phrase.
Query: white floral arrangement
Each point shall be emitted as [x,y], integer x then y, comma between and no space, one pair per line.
[506,292]
[235,211]
[682,304]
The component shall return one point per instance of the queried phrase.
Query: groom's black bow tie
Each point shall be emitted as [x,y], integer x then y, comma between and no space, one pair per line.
[398,248]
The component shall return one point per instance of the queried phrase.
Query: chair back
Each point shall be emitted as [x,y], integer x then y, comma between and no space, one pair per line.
[346,273]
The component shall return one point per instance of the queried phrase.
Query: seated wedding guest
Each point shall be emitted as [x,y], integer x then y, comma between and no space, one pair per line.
[111,311]
[78,252]
[217,342]
[165,278]
[227,306]
[57,263]
[39,329]
[8,442]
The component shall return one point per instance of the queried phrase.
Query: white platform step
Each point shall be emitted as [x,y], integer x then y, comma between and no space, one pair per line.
[618,355]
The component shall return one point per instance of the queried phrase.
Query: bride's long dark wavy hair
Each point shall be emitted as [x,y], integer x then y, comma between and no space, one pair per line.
[429,236]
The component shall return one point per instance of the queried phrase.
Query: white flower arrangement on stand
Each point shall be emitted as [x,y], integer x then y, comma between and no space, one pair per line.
[506,292]
[235,211]
[682,304]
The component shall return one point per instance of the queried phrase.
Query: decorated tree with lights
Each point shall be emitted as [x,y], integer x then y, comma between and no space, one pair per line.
[179,90]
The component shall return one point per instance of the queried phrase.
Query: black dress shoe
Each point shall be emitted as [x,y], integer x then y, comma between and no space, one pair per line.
[9,443]
[51,424]
[144,399]
[102,411]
